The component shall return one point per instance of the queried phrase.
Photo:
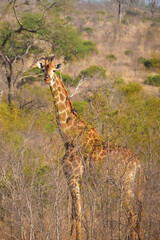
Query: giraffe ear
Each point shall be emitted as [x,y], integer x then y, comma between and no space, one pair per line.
[59,66]
[40,65]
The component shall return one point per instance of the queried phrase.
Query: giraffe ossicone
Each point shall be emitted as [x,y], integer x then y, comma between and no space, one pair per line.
[83,146]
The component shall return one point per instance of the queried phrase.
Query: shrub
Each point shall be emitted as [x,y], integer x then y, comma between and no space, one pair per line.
[128,52]
[131,88]
[88,30]
[50,127]
[96,71]
[153,62]
[124,21]
[100,12]
[132,13]
[111,57]
[153,80]
[76,81]
[146,62]
[35,70]
[80,106]
[66,78]
[119,80]
[141,60]
[69,19]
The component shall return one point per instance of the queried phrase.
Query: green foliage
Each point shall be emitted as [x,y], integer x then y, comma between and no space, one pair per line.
[124,21]
[119,80]
[17,42]
[65,77]
[76,81]
[35,70]
[128,52]
[141,60]
[50,127]
[5,30]
[69,19]
[111,57]
[80,106]
[67,42]
[131,118]
[152,63]
[32,21]
[153,80]
[148,63]
[94,71]
[131,88]
[100,12]
[132,13]
[32,75]
[36,22]
[88,30]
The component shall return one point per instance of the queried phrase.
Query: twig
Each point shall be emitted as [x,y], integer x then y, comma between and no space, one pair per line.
[79,84]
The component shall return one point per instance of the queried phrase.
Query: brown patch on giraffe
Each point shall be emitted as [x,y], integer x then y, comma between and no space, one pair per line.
[62,116]
[103,153]
[63,125]
[62,97]
[59,88]
[68,111]
[56,98]
[61,106]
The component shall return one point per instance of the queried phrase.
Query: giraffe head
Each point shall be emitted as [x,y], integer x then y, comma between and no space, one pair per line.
[49,69]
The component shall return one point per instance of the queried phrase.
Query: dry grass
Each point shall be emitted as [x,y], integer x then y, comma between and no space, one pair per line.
[137,36]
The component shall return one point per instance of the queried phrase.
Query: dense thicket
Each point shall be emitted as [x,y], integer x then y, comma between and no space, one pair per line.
[34,194]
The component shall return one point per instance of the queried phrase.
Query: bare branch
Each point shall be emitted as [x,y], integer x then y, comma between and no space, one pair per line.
[6,10]
[79,84]
[15,12]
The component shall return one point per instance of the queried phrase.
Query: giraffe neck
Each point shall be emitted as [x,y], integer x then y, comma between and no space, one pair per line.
[71,127]
[65,114]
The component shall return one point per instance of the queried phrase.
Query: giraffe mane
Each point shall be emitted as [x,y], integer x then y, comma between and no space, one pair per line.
[66,93]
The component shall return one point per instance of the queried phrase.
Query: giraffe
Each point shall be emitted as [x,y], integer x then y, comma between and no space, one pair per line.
[83,148]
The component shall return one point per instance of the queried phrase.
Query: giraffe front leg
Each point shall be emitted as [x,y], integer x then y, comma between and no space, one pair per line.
[76,209]
[73,169]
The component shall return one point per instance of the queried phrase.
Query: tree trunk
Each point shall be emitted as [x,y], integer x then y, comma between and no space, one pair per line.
[9,90]
[119,11]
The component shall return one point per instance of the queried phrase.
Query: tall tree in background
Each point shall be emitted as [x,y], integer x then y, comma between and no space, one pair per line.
[26,31]
[122,3]
[153,5]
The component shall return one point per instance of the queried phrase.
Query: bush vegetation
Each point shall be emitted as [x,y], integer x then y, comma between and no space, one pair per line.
[89,30]
[153,80]
[111,57]
[65,77]
[31,151]
[94,71]
[128,52]
[152,63]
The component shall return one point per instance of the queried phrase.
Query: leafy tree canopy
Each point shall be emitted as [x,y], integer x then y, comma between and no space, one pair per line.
[67,42]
